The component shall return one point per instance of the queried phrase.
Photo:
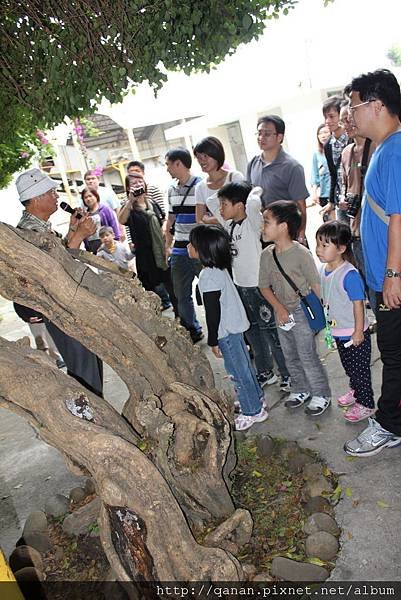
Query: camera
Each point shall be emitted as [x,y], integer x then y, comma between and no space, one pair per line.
[137,191]
[354,204]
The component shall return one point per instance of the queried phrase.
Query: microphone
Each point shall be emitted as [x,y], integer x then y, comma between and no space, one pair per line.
[70,210]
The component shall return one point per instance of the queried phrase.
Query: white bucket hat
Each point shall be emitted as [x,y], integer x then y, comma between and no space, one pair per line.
[33,183]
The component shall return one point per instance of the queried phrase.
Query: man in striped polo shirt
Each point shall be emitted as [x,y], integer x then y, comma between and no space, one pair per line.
[181,219]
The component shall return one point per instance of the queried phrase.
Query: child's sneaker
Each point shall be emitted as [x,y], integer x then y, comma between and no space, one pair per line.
[347,400]
[266,378]
[237,406]
[285,384]
[317,406]
[296,400]
[243,422]
[358,413]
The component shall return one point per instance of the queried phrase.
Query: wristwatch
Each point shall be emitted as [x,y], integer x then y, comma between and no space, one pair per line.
[391,273]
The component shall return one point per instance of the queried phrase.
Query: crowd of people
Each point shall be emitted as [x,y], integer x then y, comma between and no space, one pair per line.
[243,237]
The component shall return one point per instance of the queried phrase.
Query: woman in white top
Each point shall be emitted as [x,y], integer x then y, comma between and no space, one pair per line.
[210,155]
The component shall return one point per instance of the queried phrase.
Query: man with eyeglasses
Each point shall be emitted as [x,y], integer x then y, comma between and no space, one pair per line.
[279,175]
[333,148]
[375,108]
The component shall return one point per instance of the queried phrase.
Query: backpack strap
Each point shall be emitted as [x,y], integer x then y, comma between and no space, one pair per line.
[286,277]
[378,210]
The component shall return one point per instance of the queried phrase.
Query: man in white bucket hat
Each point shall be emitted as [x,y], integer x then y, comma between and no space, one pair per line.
[37,192]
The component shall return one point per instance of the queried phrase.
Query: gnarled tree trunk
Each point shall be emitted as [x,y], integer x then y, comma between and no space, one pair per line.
[173,405]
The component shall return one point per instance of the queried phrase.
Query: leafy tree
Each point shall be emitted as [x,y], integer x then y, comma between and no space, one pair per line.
[394,54]
[61,57]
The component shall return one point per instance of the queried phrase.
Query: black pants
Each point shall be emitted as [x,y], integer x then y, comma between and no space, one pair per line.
[356,363]
[389,343]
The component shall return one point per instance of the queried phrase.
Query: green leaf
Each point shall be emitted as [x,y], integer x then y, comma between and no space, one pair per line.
[382,504]
[348,492]
[316,561]
[257,473]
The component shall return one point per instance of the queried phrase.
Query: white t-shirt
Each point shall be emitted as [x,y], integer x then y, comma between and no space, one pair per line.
[245,239]
[108,197]
[203,192]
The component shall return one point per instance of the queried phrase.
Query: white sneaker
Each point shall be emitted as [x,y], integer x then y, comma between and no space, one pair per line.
[243,422]
[317,406]
[296,400]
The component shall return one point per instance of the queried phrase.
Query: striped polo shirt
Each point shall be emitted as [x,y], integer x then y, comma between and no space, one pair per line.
[184,213]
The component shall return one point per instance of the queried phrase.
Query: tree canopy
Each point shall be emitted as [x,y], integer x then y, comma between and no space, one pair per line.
[59,58]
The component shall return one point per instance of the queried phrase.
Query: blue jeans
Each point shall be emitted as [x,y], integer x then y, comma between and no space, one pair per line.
[239,367]
[262,334]
[183,272]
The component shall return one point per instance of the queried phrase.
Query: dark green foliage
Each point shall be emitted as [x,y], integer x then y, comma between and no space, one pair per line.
[59,57]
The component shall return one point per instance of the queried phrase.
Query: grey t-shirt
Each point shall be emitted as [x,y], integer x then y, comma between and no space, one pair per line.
[299,265]
[233,317]
[282,179]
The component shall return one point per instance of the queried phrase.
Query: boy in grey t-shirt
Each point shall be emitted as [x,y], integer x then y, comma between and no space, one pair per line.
[113,250]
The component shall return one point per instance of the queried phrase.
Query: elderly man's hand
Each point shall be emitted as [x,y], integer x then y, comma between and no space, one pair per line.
[86,226]
[74,220]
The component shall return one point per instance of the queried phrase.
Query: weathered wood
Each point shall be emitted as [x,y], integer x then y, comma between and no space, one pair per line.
[144,531]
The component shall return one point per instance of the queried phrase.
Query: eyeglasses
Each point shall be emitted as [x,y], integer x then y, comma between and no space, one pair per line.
[265,134]
[352,108]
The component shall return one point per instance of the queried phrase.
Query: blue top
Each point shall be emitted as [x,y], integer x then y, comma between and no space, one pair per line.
[383,184]
[320,174]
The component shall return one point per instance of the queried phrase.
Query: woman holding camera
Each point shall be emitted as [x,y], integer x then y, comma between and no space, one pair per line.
[144,224]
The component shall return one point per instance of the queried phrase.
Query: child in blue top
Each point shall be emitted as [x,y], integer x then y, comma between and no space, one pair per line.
[226,319]
[343,295]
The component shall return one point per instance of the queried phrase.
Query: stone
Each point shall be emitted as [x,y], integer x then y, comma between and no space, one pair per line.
[237,530]
[28,574]
[77,494]
[58,552]
[265,446]
[297,462]
[249,571]
[36,521]
[313,470]
[265,576]
[239,436]
[322,545]
[57,505]
[25,556]
[292,570]
[316,487]
[288,449]
[38,540]
[321,522]
[79,522]
[89,486]
[317,504]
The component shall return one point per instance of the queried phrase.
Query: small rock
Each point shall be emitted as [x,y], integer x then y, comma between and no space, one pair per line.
[316,487]
[321,522]
[89,486]
[38,540]
[79,522]
[28,574]
[36,521]
[58,552]
[249,571]
[262,577]
[25,556]
[57,505]
[230,547]
[312,471]
[291,570]
[239,436]
[77,494]
[322,545]
[317,504]
[265,446]
[288,449]
[297,462]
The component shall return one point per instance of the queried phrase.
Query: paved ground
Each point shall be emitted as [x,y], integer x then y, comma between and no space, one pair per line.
[370,515]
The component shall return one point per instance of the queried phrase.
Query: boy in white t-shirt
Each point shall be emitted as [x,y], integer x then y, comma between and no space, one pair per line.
[238,208]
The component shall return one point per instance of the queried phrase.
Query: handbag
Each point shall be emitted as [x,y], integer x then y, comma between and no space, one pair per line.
[310,303]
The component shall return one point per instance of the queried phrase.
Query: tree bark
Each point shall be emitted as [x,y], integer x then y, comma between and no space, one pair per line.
[143,529]
[173,407]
